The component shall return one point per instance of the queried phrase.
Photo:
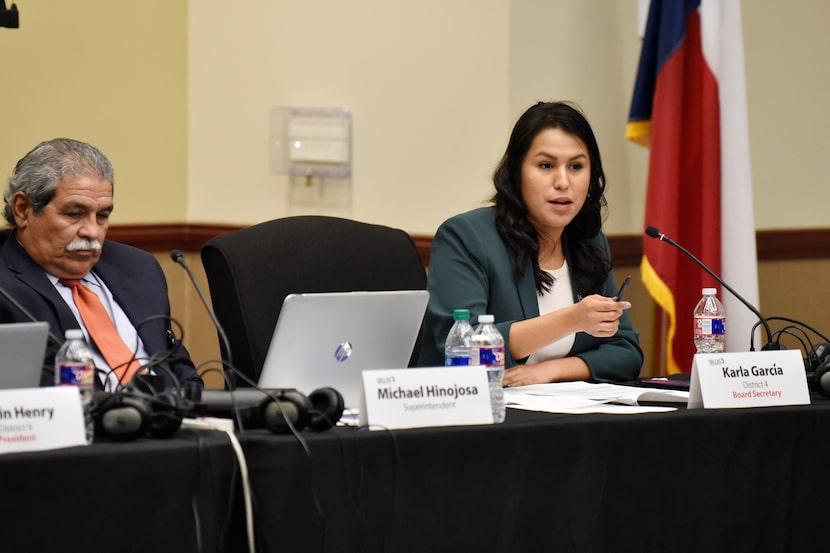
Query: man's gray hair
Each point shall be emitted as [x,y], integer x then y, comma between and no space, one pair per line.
[38,173]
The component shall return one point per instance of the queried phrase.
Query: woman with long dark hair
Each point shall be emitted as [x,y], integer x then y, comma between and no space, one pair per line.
[537,260]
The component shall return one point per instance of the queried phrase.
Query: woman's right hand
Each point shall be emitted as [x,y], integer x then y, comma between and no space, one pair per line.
[595,315]
[598,315]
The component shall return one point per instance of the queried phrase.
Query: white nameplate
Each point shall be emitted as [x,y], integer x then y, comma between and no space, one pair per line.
[35,419]
[438,396]
[748,379]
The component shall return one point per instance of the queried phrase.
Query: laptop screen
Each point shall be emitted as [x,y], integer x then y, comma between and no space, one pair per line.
[22,346]
[328,339]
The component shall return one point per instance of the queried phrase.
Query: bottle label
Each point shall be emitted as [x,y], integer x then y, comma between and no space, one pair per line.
[450,361]
[709,327]
[488,356]
[75,374]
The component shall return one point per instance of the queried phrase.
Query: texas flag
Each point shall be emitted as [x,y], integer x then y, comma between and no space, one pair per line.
[689,107]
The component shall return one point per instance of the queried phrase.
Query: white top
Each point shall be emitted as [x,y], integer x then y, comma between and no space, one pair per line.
[559,296]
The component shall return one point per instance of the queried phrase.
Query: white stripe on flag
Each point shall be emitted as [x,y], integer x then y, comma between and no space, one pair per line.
[722,37]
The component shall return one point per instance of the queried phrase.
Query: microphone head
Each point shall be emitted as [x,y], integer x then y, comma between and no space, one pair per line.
[177,256]
[653,232]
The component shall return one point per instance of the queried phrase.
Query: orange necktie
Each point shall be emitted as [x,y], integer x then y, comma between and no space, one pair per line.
[102,331]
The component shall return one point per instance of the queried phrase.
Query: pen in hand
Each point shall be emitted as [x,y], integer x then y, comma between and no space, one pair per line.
[625,284]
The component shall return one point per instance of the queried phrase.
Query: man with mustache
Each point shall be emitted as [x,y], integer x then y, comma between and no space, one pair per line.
[58,204]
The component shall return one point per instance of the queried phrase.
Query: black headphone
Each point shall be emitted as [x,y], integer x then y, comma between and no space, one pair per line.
[818,368]
[132,413]
[120,416]
[270,409]
[318,412]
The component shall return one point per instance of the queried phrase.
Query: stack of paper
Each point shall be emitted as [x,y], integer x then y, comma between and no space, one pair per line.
[586,397]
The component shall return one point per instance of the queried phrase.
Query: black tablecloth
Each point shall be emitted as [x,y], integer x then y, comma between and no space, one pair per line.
[743,480]
[150,495]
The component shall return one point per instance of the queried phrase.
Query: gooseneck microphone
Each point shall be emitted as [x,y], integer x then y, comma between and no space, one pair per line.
[178,257]
[771,344]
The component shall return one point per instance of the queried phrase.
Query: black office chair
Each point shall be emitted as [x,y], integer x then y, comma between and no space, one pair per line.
[250,271]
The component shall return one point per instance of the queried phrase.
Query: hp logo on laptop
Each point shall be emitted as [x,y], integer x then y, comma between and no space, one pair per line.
[343,352]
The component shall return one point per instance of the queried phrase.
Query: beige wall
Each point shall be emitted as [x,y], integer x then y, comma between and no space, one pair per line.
[435,86]
[786,46]
[426,83]
[179,94]
[110,73]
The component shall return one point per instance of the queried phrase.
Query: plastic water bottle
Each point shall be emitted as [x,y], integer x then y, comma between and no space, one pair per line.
[74,366]
[487,349]
[710,323]
[457,346]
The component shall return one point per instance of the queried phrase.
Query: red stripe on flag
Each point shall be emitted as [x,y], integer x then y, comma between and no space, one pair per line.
[683,198]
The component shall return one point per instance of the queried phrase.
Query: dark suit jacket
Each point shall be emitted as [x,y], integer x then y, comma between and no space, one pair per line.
[137,284]
[470,267]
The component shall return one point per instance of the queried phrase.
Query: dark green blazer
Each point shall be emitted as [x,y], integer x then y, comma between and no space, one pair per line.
[470,267]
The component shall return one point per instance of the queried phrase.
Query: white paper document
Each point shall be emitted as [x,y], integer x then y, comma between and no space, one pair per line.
[586,397]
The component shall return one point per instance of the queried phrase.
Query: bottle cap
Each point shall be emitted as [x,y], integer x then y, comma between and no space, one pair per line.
[461,314]
[73,333]
[710,291]
[486,319]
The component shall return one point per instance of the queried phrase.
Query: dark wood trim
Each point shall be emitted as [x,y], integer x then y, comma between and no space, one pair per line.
[773,245]
[168,236]
[423,243]
[793,244]
[626,250]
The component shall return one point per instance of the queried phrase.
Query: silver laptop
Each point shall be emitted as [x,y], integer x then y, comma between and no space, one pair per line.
[22,346]
[328,339]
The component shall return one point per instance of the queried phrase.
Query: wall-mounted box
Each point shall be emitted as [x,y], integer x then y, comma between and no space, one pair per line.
[311,142]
